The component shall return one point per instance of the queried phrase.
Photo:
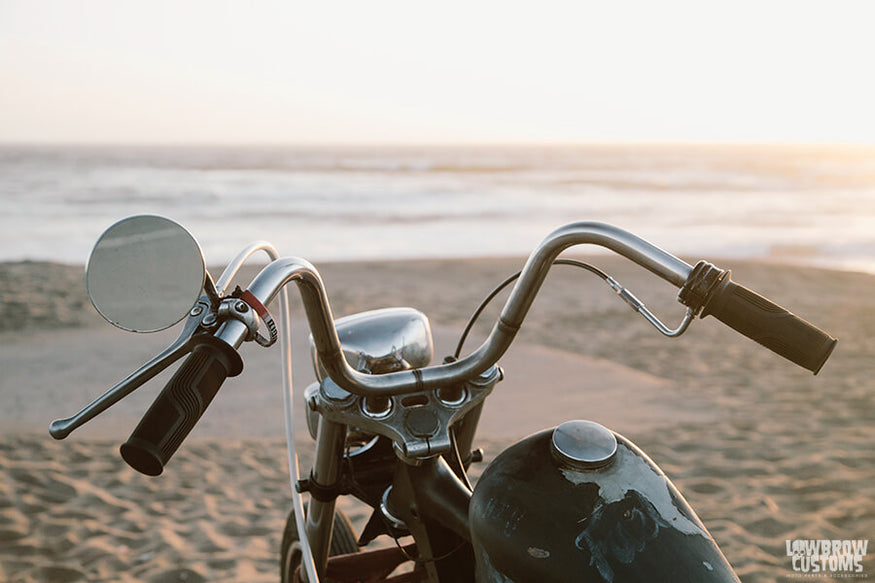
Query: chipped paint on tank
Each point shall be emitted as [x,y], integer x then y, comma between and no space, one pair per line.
[635,503]
[632,472]
[617,532]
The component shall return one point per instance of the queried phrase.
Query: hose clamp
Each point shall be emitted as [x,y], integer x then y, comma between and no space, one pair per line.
[248,297]
[245,307]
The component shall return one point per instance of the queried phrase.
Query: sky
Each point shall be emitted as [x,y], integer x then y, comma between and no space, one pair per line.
[110,71]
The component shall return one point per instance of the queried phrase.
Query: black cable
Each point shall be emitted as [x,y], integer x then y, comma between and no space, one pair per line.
[507,282]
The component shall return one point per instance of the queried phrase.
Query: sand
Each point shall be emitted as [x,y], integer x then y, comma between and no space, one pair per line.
[763,450]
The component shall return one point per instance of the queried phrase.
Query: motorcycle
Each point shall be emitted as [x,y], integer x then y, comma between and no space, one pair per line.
[577,502]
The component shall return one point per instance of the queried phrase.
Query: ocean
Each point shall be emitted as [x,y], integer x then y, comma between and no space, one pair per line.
[813,205]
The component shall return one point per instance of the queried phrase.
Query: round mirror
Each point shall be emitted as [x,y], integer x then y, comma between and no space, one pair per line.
[145,273]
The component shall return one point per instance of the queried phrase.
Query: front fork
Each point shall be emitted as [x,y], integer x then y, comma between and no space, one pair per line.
[330,441]
[428,496]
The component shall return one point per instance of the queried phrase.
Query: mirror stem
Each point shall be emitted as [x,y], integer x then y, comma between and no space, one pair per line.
[211,291]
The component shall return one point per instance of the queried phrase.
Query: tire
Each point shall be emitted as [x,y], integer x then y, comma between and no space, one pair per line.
[343,542]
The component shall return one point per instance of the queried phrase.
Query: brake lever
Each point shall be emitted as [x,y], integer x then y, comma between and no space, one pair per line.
[61,428]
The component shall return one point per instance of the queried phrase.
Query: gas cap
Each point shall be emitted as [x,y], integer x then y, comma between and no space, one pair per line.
[584,445]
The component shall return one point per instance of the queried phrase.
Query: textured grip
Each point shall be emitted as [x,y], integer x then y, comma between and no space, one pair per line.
[769,324]
[180,405]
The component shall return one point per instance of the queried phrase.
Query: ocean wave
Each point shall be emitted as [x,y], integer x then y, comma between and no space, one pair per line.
[352,202]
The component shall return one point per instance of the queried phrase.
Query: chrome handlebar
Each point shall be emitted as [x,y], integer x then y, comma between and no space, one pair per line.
[321,321]
[272,279]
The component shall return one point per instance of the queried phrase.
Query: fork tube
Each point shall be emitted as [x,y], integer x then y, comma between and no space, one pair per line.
[326,472]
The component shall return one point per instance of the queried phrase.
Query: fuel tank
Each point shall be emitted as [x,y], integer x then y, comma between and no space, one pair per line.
[581,503]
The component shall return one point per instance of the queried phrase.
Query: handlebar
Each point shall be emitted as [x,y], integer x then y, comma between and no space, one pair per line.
[318,312]
[705,291]
[788,335]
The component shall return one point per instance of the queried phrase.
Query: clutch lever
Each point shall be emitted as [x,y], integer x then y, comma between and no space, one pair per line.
[199,314]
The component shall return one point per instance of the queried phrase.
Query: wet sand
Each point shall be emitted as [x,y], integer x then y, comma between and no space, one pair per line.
[763,450]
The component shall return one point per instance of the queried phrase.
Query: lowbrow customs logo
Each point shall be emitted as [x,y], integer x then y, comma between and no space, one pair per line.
[829,557]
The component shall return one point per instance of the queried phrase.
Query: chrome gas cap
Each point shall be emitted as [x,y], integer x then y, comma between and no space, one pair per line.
[584,445]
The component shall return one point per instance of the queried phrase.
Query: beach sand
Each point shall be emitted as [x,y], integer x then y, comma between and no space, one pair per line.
[763,450]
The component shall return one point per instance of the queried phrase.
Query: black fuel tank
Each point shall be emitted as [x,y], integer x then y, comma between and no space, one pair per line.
[581,503]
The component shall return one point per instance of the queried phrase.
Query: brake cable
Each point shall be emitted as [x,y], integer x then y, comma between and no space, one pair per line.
[621,291]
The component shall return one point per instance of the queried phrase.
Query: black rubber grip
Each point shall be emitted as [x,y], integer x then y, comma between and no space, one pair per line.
[180,405]
[769,324]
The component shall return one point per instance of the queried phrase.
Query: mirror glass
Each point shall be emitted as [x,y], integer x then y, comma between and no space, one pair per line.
[145,273]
